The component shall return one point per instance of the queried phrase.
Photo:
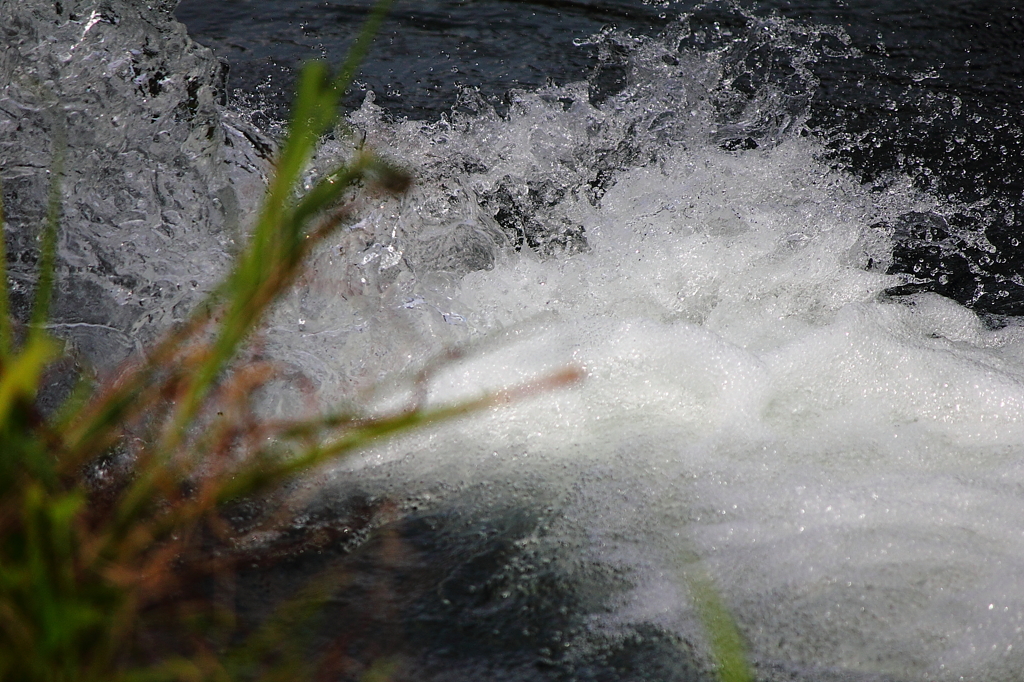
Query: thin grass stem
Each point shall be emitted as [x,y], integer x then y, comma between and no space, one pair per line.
[6,337]
[48,247]
[357,53]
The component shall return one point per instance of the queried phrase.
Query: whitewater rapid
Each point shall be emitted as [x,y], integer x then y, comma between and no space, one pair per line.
[846,463]
[760,390]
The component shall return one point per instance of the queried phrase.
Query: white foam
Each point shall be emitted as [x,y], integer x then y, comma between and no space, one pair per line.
[847,466]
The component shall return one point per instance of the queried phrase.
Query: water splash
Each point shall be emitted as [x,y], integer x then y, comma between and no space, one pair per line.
[159,179]
[763,386]
[771,385]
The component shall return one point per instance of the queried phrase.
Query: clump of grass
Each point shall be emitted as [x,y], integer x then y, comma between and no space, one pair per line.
[110,503]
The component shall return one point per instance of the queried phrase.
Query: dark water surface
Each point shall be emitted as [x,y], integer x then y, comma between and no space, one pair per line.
[426,51]
[429,48]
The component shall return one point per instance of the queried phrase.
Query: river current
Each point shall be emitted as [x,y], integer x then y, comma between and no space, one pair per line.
[781,242]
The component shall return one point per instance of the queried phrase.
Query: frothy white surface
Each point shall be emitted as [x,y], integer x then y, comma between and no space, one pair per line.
[848,467]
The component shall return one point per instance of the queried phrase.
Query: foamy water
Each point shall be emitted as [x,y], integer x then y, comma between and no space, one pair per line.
[846,465]
[844,462]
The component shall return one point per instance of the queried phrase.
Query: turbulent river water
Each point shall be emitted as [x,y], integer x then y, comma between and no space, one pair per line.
[782,242]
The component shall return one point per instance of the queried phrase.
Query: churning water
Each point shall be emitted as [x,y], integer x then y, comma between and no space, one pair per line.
[795,308]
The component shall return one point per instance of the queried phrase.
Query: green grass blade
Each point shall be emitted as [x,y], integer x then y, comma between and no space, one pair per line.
[727,648]
[48,248]
[6,338]
[278,244]
[328,190]
[276,248]
[97,423]
[20,379]
[277,463]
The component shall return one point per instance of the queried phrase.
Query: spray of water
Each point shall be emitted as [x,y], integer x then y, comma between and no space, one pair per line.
[840,453]
[843,460]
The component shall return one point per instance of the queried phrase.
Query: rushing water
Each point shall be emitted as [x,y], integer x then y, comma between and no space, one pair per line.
[780,241]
